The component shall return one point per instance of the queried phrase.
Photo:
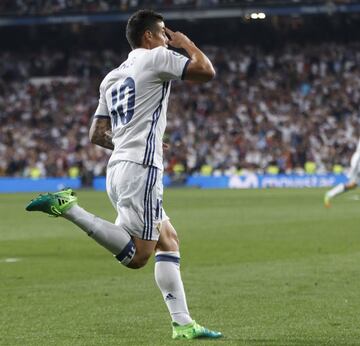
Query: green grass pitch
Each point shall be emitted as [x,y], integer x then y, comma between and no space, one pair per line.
[265,267]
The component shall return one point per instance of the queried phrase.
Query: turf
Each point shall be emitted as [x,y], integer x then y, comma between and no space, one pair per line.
[270,267]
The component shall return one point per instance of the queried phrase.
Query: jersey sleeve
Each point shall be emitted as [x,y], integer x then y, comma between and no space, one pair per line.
[169,64]
[101,110]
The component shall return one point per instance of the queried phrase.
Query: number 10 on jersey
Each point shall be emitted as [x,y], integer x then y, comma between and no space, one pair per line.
[122,102]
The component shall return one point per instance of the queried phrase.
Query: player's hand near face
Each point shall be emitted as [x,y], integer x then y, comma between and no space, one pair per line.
[177,39]
[200,68]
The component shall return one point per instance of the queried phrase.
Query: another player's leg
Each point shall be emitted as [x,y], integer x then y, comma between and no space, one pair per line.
[337,190]
[350,185]
[168,279]
[110,236]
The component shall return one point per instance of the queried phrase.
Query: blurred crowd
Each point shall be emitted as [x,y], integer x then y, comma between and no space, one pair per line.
[290,110]
[48,7]
[51,7]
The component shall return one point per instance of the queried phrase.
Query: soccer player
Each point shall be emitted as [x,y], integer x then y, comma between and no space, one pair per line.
[130,119]
[353,179]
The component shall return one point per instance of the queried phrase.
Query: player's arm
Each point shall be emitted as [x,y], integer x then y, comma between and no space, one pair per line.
[100,132]
[200,68]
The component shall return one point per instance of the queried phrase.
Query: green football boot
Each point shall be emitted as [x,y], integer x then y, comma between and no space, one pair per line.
[192,331]
[54,204]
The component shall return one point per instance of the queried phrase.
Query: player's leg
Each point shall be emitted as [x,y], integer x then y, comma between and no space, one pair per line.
[112,237]
[168,279]
[107,234]
[338,190]
[350,185]
[144,250]
[167,274]
[128,186]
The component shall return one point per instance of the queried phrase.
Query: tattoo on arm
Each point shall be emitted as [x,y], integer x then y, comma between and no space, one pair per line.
[100,133]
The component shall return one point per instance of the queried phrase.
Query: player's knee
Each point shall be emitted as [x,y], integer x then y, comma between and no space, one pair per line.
[138,261]
[136,253]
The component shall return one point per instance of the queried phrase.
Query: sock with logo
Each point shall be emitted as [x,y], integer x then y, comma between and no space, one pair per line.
[168,279]
[105,233]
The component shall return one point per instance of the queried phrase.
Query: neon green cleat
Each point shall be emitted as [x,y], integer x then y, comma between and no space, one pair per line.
[193,331]
[54,204]
[327,201]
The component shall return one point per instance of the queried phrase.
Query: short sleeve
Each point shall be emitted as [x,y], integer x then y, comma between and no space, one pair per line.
[102,110]
[169,64]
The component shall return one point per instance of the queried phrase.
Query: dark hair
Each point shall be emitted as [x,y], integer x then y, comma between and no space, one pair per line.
[138,23]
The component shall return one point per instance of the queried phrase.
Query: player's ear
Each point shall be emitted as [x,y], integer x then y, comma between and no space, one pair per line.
[147,39]
[148,35]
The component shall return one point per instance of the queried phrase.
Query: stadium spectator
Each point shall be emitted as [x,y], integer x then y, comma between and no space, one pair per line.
[281,108]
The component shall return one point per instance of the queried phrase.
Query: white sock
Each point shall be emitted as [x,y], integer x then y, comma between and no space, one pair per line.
[337,190]
[168,279]
[107,234]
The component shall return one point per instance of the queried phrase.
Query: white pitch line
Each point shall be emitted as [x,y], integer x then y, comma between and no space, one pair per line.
[10,260]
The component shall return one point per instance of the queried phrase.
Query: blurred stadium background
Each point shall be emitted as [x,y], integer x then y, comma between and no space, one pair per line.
[285,100]
[266,267]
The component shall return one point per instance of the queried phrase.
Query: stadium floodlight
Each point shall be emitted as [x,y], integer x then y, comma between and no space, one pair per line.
[260,15]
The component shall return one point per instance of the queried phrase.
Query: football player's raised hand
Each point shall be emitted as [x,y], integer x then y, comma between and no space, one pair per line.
[177,39]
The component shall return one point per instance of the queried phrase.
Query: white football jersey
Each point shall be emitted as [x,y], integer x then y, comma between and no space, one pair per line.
[135,96]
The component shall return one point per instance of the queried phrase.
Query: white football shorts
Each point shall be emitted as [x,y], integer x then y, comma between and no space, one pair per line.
[136,192]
